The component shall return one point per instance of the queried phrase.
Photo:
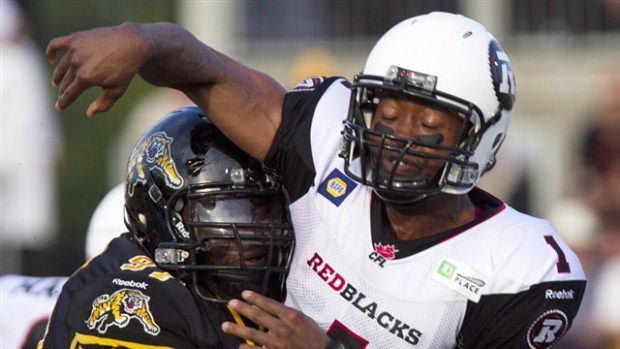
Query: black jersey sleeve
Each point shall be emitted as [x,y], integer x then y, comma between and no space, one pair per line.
[290,156]
[536,318]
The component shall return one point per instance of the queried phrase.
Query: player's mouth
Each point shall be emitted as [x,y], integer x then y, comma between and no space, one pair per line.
[404,167]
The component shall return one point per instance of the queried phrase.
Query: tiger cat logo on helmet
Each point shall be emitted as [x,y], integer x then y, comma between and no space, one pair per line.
[154,154]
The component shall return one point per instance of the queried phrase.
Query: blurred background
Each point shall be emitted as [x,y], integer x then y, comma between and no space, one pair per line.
[565,55]
[561,160]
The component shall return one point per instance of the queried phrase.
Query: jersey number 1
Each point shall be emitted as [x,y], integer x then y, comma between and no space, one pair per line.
[562,265]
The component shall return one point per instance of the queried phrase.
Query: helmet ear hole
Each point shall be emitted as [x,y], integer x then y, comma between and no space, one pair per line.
[178,206]
[497,142]
[142,222]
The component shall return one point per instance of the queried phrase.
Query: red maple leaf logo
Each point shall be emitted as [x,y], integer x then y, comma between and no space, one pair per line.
[386,251]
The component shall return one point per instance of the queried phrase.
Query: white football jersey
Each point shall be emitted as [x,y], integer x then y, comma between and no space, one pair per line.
[26,303]
[507,280]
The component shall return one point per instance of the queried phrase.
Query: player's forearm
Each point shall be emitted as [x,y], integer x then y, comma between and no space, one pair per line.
[235,97]
[174,57]
[177,59]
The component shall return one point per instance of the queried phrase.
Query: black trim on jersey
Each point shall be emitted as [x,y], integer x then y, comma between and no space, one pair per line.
[383,233]
[509,321]
[290,155]
[344,338]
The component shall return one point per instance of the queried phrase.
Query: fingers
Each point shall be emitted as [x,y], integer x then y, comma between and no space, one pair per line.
[64,75]
[54,46]
[286,327]
[267,304]
[78,70]
[246,333]
[274,309]
[106,100]
[70,89]
[61,70]
[254,313]
[63,64]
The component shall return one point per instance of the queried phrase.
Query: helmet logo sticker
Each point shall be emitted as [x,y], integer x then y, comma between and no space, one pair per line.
[119,309]
[502,74]
[154,154]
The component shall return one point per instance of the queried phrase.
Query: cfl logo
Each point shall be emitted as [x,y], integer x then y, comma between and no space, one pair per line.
[547,329]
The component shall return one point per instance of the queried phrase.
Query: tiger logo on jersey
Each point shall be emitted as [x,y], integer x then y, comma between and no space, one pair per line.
[119,308]
[154,153]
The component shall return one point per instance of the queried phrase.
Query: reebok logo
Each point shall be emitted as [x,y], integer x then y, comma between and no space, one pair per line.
[130,283]
[562,294]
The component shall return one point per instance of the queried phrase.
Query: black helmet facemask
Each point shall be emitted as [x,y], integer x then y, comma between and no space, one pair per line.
[226,227]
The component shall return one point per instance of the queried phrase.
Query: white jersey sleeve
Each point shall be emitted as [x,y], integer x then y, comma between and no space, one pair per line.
[26,303]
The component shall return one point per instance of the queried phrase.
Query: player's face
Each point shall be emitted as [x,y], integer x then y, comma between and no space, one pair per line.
[406,118]
[236,235]
[232,210]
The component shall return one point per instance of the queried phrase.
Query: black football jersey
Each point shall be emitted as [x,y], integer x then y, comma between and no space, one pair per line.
[121,299]
[506,280]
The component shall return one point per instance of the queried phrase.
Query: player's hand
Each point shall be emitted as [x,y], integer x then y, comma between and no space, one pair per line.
[286,328]
[105,57]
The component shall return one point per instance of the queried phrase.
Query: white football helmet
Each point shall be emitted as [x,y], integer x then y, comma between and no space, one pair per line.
[448,60]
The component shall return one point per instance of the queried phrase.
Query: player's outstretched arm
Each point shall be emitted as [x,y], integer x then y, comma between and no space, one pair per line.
[244,103]
[286,327]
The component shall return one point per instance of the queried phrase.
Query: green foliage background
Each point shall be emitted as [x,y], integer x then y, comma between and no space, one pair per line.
[83,172]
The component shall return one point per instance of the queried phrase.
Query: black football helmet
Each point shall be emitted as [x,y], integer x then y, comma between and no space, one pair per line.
[206,211]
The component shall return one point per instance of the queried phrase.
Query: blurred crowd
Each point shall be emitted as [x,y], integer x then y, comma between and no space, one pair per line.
[588,217]
[31,144]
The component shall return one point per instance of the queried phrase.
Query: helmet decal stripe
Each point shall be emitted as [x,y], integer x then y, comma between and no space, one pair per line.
[502,75]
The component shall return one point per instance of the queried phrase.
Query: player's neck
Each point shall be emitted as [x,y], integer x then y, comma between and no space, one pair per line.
[434,215]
